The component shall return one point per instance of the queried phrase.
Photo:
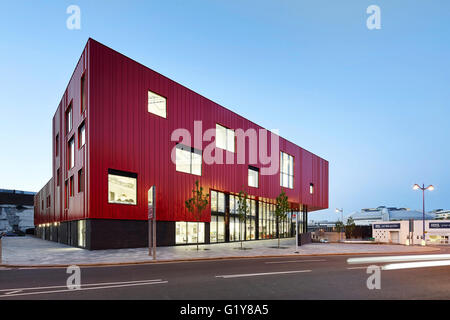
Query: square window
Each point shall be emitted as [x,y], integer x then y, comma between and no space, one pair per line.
[253,177]
[188,160]
[122,187]
[157,104]
[224,138]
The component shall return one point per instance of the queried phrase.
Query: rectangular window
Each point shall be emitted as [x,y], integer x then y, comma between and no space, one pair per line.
[253,174]
[66,194]
[57,145]
[311,188]
[213,201]
[286,170]
[83,93]
[188,160]
[81,135]
[58,177]
[69,119]
[157,104]
[71,186]
[122,187]
[80,180]
[71,154]
[224,138]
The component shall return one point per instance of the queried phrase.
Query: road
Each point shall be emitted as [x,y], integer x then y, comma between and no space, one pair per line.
[318,277]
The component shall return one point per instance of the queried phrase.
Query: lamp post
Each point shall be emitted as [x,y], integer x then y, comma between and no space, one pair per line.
[431,188]
[342,220]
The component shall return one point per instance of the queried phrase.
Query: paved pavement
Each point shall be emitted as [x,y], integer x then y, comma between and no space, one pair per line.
[28,251]
[300,277]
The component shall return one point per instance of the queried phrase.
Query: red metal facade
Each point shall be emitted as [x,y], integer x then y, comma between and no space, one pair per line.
[121,134]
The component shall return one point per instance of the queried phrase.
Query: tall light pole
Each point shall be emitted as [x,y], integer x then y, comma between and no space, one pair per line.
[342,220]
[431,188]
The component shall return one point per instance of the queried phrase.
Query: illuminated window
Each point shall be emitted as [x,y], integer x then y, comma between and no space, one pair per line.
[224,138]
[188,160]
[157,104]
[286,170]
[253,174]
[122,187]
[186,232]
[71,156]
[81,136]
[311,188]
[82,233]
[69,119]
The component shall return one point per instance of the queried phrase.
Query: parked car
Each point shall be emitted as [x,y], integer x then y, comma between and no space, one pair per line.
[324,240]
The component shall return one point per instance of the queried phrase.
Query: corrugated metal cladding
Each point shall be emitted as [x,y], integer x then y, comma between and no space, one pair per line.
[121,134]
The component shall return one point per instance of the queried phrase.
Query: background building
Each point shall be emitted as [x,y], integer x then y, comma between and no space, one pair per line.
[113,140]
[371,215]
[411,232]
[16,210]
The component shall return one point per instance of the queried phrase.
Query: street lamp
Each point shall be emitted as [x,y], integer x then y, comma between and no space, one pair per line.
[342,220]
[431,188]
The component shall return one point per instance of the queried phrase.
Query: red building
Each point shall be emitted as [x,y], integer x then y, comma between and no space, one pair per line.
[114,134]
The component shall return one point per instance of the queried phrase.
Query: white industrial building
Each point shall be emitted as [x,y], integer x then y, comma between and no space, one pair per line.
[410,232]
[368,216]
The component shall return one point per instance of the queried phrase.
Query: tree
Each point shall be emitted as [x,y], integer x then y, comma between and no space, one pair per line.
[349,228]
[282,207]
[197,204]
[339,227]
[242,211]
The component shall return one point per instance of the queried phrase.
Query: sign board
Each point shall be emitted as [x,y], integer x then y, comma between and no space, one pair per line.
[386,226]
[439,225]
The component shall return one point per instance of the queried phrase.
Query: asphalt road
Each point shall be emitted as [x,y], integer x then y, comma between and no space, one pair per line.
[318,277]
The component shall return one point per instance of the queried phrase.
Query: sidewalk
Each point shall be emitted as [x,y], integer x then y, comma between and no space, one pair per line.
[31,251]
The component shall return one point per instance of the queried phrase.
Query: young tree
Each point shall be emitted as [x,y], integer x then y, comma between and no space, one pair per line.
[242,211]
[339,227]
[197,204]
[349,228]
[282,207]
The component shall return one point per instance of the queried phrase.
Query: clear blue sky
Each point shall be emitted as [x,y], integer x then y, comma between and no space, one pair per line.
[375,103]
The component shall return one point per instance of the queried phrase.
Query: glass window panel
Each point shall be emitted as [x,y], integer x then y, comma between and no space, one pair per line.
[121,189]
[253,208]
[221,202]
[220,229]
[232,204]
[82,136]
[253,178]
[213,229]
[192,232]
[232,229]
[82,233]
[230,140]
[183,160]
[180,232]
[72,153]
[196,163]
[221,137]
[213,201]
[156,104]
[291,182]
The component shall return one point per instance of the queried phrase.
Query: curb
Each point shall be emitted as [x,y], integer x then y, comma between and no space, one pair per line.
[106,264]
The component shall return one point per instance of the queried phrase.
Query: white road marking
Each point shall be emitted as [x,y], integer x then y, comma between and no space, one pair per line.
[412,265]
[84,289]
[354,268]
[228,276]
[425,257]
[293,261]
[83,285]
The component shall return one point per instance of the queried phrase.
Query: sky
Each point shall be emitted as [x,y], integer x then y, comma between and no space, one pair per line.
[374,103]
